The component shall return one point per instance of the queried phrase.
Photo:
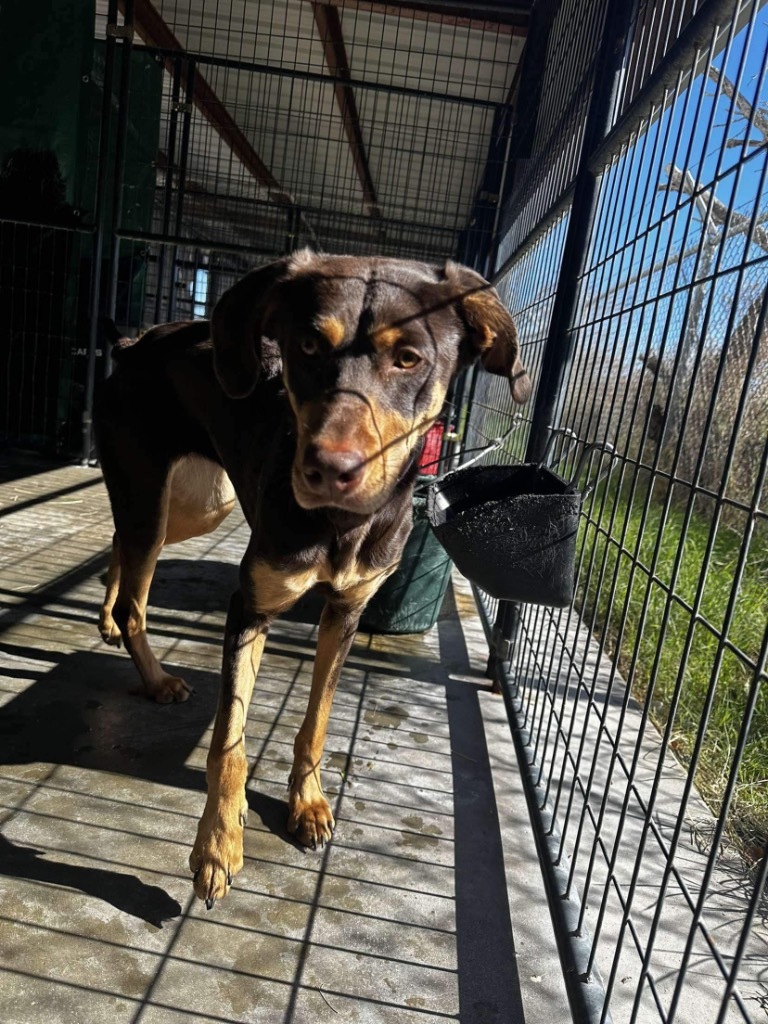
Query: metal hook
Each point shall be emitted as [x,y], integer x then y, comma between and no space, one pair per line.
[592,446]
[493,445]
[554,431]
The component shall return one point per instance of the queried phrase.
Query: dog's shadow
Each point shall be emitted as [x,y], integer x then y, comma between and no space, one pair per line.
[126,892]
[82,713]
[186,585]
[181,585]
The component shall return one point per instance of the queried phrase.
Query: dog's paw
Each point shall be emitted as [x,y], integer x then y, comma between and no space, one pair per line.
[168,690]
[110,634]
[217,855]
[310,820]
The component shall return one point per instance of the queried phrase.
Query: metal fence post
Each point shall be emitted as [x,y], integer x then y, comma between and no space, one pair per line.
[176,109]
[119,169]
[557,350]
[98,238]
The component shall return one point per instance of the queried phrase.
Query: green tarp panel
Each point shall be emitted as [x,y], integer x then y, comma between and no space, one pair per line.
[52,78]
[47,57]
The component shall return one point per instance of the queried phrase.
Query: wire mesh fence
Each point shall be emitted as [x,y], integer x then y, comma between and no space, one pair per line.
[641,712]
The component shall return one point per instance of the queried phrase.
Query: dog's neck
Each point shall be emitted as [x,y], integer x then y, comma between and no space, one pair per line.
[410,469]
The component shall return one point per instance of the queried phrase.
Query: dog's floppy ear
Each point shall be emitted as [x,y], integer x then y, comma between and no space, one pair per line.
[491,330]
[240,354]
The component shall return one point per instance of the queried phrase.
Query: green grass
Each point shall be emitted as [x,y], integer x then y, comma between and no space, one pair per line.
[665,642]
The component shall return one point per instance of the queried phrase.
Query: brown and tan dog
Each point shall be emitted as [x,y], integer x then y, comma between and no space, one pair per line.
[307,396]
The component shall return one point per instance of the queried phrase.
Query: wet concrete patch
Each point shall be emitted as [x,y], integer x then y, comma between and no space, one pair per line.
[417,841]
[416,822]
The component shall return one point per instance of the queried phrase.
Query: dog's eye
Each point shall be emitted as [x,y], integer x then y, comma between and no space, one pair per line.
[309,347]
[407,359]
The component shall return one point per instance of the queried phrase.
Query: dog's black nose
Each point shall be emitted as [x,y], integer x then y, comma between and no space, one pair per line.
[332,471]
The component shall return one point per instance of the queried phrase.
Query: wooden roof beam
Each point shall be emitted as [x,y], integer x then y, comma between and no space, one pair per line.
[329,26]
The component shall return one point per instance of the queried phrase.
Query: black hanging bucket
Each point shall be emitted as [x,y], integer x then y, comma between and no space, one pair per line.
[510,529]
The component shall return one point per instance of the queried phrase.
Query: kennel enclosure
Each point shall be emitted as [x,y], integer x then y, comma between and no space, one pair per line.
[604,164]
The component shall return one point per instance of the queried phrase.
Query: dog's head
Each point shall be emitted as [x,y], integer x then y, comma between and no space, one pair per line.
[367,347]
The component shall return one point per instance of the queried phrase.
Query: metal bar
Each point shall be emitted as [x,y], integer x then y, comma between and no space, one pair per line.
[181,181]
[758,895]
[493,248]
[557,352]
[168,193]
[653,327]
[641,153]
[537,232]
[504,633]
[126,50]
[201,243]
[695,36]
[708,15]
[193,189]
[483,6]
[251,67]
[695,618]
[585,992]
[730,609]
[557,347]
[156,33]
[513,16]
[98,238]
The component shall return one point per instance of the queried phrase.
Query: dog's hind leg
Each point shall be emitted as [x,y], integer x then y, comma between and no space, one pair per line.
[110,634]
[137,567]
[140,526]
[155,501]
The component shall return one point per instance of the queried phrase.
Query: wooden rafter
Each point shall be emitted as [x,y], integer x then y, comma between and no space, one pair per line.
[329,26]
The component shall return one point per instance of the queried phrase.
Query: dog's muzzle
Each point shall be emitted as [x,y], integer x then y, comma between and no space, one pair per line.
[330,474]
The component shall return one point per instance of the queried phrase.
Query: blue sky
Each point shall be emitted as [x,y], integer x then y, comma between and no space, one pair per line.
[640,225]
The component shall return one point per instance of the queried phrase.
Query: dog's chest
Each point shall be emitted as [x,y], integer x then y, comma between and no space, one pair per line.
[277,587]
[343,574]
[356,581]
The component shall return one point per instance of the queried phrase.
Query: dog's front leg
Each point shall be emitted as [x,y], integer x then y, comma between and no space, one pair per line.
[217,855]
[310,817]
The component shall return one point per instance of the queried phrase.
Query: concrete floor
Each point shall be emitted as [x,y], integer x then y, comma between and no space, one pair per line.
[427,905]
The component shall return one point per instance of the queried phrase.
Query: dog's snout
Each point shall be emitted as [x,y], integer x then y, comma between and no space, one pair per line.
[331,470]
